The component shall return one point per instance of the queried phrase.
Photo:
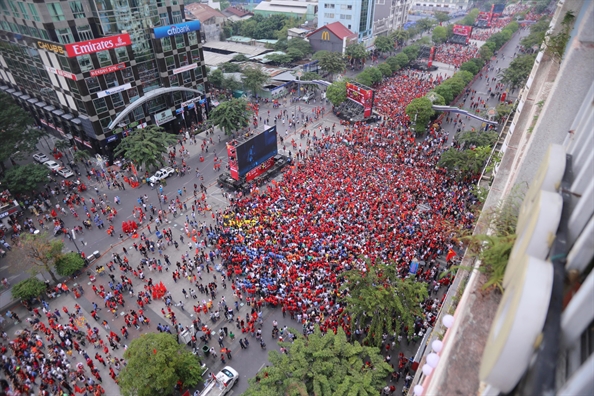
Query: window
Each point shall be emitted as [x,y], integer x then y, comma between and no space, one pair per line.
[104,58]
[198,72]
[183,59]
[80,106]
[64,63]
[179,41]
[77,9]
[128,75]
[164,17]
[23,10]
[4,7]
[85,33]
[187,77]
[346,7]
[72,85]
[173,80]
[328,15]
[195,56]
[347,16]
[44,34]
[85,63]
[170,63]
[105,123]
[100,105]
[117,99]
[14,9]
[55,11]
[111,80]
[34,32]
[192,38]
[166,44]
[176,17]
[132,96]
[65,36]
[122,54]
[33,11]
[328,5]
[93,84]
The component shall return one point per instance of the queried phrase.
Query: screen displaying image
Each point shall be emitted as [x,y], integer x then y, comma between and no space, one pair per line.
[256,151]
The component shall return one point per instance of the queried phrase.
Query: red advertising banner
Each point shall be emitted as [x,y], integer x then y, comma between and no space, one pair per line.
[363,96]
[61,73]
[232,155]
[258,170]
[462,30]
[108,69]
[101,44]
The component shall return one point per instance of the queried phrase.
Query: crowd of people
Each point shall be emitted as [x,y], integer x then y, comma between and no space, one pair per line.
[455,54]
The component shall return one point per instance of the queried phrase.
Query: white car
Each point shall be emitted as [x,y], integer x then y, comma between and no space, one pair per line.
[65,173]
[52,165]
[161,174]
[220,384]
[40,157]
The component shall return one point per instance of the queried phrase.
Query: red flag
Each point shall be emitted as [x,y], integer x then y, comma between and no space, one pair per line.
[451,254]
[155,351]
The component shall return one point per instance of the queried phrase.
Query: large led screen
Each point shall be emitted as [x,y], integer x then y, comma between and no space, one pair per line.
[256,151]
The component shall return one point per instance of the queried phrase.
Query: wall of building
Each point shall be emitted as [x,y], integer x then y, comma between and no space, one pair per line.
[357,16]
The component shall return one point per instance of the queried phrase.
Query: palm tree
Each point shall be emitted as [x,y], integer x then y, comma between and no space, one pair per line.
[63,146]
[82,156]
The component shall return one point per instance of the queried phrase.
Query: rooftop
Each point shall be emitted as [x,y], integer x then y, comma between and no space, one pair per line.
[202,12]
[338,29]
[238,12]
[298,7]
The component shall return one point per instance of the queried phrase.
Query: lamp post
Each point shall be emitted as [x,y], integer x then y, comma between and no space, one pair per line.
[73,239]
[159,196]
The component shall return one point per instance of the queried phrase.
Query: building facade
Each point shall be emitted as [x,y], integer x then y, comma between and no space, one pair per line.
[390,15]
[80,66]
[333,37]
[306,9]
[356,15]
[449,6]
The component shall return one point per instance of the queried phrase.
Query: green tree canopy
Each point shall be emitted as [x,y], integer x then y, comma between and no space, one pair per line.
[384,44]
[17,134]
[81,156]
[146,147]
[411,52]
[331,62]
[254,78]
[464,163]
[231,115]
[399,36]
[240,58]
[322,364]
[67,264]
[279,59]
[41,253]
[231,84]
[25,178]
[28,289]
[537,33]
[441,16]
[402,60]
[385,69]
[155,362]
[445,91]
[299,44]
[355,52]
[420,112]
[295,54]
[309,76]
[425,24]
[230,67]
[216,77]
[63,146]
[393,63]
[518,71]
[469,67]
[379,299]
[336,92]
[439,35]
[477,139]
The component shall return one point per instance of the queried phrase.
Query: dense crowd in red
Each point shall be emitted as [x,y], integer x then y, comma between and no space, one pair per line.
[371,192]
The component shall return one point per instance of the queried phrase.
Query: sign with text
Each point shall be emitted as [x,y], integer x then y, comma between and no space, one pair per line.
[108,69]
[185,68]
[119,88]
[51,47]
[61,73]
[362,95]
[164,117]
[462,30]
[101,44]
[173,30]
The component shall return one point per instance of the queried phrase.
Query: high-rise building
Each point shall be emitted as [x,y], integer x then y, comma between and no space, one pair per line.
[356,15]
[93,70]
[389,15]
[449,6]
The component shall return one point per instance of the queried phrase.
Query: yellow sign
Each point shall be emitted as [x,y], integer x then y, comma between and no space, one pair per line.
[325,35]
[55,48]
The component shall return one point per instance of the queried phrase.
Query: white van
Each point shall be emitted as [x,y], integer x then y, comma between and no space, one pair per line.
[221,384]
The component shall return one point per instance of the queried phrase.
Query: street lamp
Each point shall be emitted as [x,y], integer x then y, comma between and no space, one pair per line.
[73,239]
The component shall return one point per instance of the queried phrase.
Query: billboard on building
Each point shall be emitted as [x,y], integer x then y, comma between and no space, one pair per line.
[462,30]
[100,44]
[256,151]
[178,28]
[362,95]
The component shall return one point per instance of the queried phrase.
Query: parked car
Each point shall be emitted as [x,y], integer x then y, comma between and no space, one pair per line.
[52,165]
[161,174]
[221,384]
[40,157]
[65,173]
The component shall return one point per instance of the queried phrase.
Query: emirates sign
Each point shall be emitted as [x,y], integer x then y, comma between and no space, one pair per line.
[102,44]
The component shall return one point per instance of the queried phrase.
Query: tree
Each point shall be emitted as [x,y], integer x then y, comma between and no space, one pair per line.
[440,35]
[82,156]
[146,147]
[365,78]
[402,60]
[254,78]
[399,36]
[279,59]
[310,76]
[17,134]
[385,69]
[469,67]
[67,264]
[412,52]
[322,364]
[231,115]
[41,252]
[393,63]
[155,363]
[464,163]
[240,58]
[355,52]
[336,92]
[376,74]
[216,77]
[295,54]
[419,112]
[441,16]
[518,71]
[378,298]
[230,67]
[299,44]
[425,24]
[384,44]
[445,91]
[28,289]
[231,84]
[477,139]
[25,178]
[331,62]
[63,146]
[504,109]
